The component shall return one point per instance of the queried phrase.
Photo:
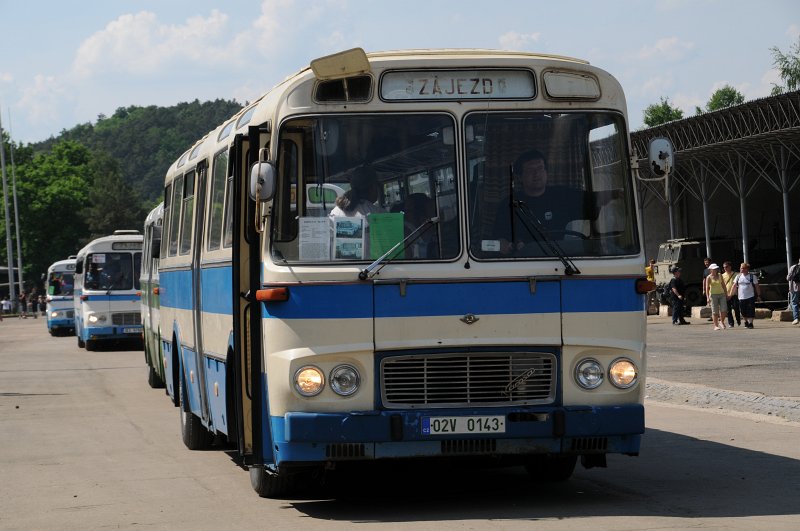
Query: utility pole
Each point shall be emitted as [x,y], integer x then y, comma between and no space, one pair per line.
[16,208]
[9,250]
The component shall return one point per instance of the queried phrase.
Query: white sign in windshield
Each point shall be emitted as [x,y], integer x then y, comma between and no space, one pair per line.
[458,84]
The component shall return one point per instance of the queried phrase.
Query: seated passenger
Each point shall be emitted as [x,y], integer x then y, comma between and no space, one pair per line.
[362,197]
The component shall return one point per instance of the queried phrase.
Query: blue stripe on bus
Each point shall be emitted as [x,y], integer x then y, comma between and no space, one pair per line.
[110,297]
[353,301]
[175,289]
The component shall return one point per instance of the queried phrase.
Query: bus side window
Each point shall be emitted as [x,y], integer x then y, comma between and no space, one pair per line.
[187,215]
[227,239]
[165,230]
[175,216]
[218,182]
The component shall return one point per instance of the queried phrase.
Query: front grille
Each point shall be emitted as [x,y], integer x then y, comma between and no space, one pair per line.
[344,451]
[469,379]
[126,319]
[589,444]
[71,314]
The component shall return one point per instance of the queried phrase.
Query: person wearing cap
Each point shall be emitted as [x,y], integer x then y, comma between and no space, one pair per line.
[716,293]
[749,292]
[678,290]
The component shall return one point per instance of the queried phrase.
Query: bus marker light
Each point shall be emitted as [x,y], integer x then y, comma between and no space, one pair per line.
[272,295]
[216,388]
[84,297]
[155,291]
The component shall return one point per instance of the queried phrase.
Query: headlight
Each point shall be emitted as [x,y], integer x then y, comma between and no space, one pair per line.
[96,318]
[345,380]
[53,314]
[589,373]
[622,373]
[309,381]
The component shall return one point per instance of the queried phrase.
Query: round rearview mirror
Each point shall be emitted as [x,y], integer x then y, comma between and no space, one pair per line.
[662,160]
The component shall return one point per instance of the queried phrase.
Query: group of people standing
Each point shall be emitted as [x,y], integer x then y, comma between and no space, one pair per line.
[28,303]
[730,294]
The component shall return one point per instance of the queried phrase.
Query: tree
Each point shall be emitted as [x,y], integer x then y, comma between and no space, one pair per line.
[112,204]
[52,190]
[726,96]
[661,113]
[788,64]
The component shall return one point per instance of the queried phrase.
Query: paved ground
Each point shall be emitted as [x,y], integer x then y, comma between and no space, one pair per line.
[753,371]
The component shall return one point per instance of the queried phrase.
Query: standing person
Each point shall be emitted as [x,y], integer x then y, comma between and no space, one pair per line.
[22,302]
[42,305]
[733,297]
[706,271]
[794,291]
[678,290]
[717,294]
[6,305]
[33,303]
[650,273]
[749,292]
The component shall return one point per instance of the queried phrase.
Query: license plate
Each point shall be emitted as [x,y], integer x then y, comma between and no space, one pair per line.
[131,330]
[463,425]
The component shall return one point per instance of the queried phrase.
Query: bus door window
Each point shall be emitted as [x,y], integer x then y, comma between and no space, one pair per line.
[175,215]
[187,214]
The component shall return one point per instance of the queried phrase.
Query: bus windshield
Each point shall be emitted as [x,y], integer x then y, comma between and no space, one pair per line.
[117,271]
[351,187]
[60,283]
[541,183]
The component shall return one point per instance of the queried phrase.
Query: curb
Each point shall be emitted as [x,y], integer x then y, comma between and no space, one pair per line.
[709,397]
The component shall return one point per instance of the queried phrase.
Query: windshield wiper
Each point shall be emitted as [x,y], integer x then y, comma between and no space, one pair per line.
[538,232]
[403,244]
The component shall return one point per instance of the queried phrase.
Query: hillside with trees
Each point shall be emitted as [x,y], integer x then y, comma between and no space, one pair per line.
[96,178]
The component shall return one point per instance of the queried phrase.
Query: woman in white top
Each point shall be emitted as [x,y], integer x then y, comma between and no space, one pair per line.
[749,291]
[358,202]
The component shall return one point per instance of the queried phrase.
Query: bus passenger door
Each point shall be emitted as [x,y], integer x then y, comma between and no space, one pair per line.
[248,382]
[197,299]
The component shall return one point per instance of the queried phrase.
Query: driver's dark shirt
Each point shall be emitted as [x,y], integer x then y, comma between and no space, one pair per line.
[556,207]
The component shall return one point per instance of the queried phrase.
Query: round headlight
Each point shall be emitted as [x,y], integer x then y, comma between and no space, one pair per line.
[622,373]
[345,380]
[589,373]
[96,318]
[53,314]
[309,381]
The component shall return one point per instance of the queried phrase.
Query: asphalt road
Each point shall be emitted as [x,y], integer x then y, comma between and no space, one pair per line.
[86,444]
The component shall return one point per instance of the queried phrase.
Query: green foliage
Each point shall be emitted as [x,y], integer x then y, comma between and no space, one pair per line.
[726,96]
[788,64]
[661,113]
[97,178]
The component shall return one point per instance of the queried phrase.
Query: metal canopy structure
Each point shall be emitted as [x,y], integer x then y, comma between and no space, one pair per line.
[735,150]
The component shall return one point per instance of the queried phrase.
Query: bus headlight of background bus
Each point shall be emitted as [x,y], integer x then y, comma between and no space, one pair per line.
[345,380]
[622,373]
[589,373]
[309,380]
[96,318]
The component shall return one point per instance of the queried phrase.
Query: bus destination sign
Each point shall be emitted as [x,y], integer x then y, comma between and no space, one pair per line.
[458,85]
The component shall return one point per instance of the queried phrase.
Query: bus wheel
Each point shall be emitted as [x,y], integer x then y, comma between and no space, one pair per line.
[153,379]
[268,484]
[91,344]
[81,342]
[551,467]
[195,436]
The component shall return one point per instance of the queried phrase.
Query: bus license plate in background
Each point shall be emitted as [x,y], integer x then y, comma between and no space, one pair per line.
[131,330]
[462,425]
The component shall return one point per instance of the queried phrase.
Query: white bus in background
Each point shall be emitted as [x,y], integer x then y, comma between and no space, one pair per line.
[106,296]
[59,287]
[454,320]
[148,280]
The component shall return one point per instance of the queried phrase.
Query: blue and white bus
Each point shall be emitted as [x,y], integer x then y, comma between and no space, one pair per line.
[363,265]
[148,282]
[107,290]
[59,287]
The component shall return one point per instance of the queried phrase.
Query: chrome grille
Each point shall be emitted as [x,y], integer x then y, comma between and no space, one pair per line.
[70,314]
[126,319]
[469,379]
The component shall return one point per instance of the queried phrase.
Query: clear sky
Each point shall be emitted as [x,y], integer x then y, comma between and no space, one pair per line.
[65,62]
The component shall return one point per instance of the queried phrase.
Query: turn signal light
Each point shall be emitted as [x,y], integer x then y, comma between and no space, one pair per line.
[155,291]
[272,295]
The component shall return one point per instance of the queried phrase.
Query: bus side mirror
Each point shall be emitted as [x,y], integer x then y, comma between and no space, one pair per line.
[662,159]
[79,267]
[262,181]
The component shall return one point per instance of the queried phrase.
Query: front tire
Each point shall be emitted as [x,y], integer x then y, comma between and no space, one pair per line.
[91,344]
[551,468]
[81,343]
[195,436]
[268,484]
